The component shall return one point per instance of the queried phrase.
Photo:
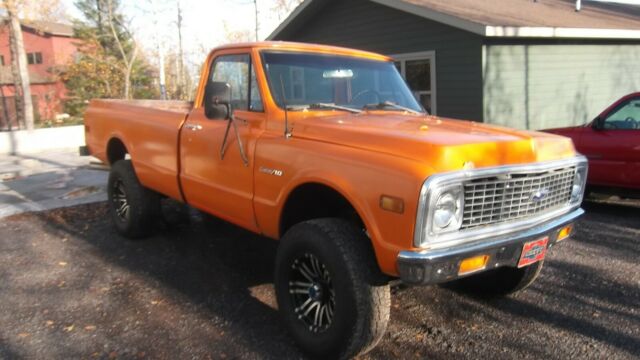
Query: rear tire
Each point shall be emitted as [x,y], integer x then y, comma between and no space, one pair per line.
[500,282]
[331,294]
[133,207]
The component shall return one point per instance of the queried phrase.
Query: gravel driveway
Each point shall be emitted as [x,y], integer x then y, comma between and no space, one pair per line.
[71,288]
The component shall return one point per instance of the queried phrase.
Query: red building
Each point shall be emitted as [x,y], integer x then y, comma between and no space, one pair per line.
[49,46]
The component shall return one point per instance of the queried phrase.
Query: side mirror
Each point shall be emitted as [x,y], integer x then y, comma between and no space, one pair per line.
[597,124]
[217,100]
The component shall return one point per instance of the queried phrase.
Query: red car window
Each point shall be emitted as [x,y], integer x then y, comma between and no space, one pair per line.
[626,116]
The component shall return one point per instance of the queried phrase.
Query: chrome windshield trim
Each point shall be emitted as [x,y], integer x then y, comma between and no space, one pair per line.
[434,182]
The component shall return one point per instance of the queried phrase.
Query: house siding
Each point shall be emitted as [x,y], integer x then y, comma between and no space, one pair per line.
[539,86]
[47,89]
[369,26]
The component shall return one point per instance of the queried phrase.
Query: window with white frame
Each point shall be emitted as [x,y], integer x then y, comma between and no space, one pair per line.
[297,83]
[419,71]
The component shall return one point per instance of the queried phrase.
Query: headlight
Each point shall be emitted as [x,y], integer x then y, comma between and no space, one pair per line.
[447,213]
[442,213]
[579,181]
[576,190]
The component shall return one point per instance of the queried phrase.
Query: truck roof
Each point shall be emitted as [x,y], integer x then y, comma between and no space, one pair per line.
[304,47]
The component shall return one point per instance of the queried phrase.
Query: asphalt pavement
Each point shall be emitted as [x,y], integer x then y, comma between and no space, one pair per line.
[70,287]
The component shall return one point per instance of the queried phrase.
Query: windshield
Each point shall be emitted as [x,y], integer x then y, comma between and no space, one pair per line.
[314,81]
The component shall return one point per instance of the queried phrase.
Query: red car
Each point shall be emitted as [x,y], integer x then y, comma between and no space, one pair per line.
[611,142]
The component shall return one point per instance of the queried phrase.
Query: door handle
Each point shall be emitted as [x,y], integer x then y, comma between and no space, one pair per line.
[242,121]
[193,127]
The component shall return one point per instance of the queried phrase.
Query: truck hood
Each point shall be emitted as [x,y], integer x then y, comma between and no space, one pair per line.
[443,144]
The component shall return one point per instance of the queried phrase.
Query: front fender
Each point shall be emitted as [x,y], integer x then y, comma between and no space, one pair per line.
[360,176]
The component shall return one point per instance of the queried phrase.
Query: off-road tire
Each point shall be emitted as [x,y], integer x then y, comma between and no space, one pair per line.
[143,204]
[500,282]
[361,291]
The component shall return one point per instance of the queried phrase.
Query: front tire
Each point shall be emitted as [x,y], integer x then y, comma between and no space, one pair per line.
[133,207]
[501,281]
[331,294]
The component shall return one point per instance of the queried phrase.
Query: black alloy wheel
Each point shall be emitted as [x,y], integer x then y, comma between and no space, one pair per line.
[133,207]
[119,200]
[312,292]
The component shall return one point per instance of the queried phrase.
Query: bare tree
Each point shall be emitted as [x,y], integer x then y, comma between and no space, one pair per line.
[255,6]
[127,60]
[236,36]
[19,65]
[181,83]
[284,7]
[47,10]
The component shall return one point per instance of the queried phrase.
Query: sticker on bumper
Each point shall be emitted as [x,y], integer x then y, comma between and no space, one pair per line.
[533,252]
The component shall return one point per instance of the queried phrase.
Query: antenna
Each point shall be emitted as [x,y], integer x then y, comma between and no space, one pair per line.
[287,133]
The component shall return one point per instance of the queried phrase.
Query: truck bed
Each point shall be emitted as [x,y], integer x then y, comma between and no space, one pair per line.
[150,128]
[167,105]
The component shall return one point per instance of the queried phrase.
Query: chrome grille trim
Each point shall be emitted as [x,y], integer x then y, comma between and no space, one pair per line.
[435,183]
[493,200]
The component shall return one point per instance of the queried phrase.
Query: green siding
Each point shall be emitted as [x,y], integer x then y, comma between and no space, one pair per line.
[555,85]
[369,26]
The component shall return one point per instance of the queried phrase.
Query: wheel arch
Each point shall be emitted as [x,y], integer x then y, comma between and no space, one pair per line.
[116,150]
[328,201]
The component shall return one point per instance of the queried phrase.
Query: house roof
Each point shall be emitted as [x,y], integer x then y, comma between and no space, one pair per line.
[46,27]
[50,28]
[516,18]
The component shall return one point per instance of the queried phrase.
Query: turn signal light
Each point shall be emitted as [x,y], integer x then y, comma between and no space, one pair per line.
[392,204]
[564,232]
[473,264]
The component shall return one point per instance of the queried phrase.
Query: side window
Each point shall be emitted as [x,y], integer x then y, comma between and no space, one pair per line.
[236,70]
[625,117]
[254,94]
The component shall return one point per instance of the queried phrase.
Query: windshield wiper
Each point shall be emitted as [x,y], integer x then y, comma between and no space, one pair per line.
[333,106]
[389,104]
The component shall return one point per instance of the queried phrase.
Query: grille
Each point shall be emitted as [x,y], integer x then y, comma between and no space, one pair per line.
[506,198]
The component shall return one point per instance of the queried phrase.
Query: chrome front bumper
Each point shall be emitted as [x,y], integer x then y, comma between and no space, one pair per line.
[441,265]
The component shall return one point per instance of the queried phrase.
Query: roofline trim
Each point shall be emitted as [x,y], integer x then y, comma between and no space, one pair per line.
[300,8]
[481,29]
[551,32]
[510,31]
[437,16]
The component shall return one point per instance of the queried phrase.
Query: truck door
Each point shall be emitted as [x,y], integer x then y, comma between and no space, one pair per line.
[223,186]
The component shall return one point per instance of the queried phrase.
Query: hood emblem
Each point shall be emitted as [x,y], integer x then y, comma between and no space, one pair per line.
[539,195]
[468,165]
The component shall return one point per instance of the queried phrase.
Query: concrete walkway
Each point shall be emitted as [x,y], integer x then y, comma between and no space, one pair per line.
[48,180]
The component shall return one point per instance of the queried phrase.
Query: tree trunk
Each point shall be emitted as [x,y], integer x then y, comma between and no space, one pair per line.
[182,89]
[21,74]
[17,86]
[127,72]
[128,63]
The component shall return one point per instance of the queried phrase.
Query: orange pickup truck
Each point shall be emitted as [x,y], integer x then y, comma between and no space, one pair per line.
[327,150]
